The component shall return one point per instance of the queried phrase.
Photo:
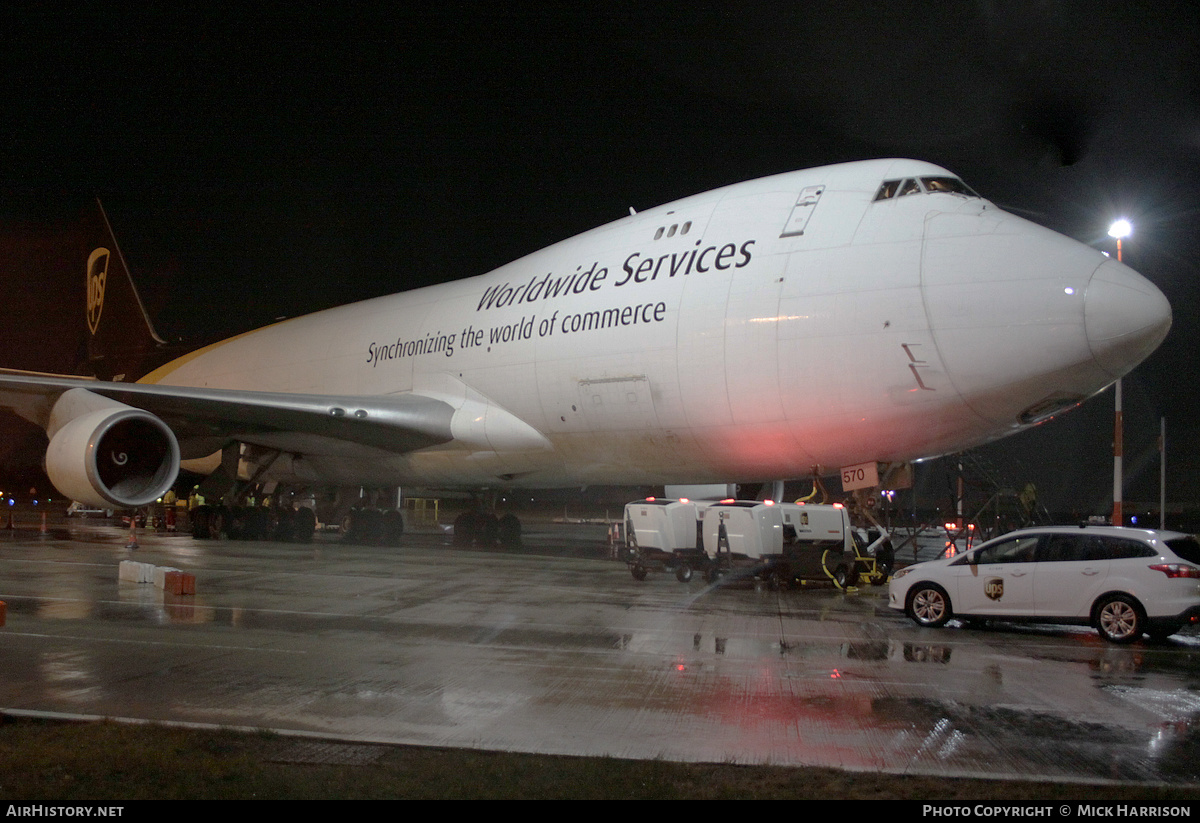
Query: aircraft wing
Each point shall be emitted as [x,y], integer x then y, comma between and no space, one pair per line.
[204,417]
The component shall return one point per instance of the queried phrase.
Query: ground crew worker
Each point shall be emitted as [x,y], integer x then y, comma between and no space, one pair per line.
[169,500]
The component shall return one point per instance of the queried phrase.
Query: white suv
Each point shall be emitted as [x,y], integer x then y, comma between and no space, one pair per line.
[1121,581]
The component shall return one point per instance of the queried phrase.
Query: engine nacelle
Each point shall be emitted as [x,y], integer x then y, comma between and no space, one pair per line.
[115,456]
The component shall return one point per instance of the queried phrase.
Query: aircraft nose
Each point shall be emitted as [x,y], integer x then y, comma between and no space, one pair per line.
[1125,317]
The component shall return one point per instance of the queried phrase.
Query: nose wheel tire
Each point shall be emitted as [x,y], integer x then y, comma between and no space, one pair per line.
[929,605]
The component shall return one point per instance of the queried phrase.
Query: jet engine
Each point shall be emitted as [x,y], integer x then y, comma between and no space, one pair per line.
[114,456]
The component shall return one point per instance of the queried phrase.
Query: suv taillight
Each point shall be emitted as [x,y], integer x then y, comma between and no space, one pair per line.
[1177,570]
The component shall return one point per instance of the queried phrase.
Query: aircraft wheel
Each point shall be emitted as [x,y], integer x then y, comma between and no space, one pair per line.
[464,529]
[638,571]
[352,526]
[372,527]
[393,527]
[488,531]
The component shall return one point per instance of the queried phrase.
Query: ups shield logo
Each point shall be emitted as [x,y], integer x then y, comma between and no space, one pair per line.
[97,273]
[994,588]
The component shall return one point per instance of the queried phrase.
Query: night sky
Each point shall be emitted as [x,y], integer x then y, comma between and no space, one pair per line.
[256,166]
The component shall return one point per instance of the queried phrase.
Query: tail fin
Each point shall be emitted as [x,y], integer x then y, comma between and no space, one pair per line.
[122,343]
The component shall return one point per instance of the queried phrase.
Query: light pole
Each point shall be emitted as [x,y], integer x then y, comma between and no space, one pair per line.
[1120,230]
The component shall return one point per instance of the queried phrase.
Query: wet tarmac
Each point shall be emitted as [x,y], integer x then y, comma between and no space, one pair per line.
[561,651]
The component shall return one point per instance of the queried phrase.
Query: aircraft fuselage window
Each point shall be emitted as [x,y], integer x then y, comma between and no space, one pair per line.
[670,232]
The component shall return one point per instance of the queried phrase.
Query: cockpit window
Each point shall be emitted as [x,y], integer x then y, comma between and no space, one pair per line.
[947,184]
[887,190]
[932,185]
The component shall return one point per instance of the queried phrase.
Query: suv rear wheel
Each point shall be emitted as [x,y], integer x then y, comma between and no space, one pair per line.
[1119,619]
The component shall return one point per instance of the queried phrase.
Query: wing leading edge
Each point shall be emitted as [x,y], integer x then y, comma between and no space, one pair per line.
[202,417]
[120,444]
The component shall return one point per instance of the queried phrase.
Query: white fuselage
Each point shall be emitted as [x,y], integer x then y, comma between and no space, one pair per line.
[748,333]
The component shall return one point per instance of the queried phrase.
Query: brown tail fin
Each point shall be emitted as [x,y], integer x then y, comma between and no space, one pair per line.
[122,343]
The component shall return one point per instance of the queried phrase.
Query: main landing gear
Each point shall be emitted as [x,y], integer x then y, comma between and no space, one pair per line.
[253,523]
